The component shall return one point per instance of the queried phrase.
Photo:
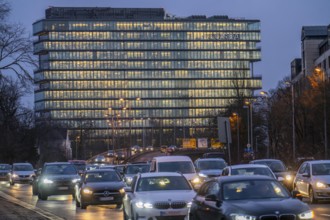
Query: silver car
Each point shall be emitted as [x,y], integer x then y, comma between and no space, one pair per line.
[248,169]
[313,180]
[21,173]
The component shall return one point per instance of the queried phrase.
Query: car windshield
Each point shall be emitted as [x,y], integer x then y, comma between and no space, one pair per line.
[321,169]
[252,171]
[134,169]
[275,166]
[163,183]
[23,167]
[176,166]
[60,169]
[253,189]
[4,167]
[211,164]
[80,166]
[102,176]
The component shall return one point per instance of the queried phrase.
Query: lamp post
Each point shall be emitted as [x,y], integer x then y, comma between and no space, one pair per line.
[237,131]
[319,70]
[250,123]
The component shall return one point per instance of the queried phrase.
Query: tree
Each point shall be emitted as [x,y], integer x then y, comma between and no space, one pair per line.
[16,51]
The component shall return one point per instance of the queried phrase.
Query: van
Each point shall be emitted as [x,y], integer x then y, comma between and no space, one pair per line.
[180,164]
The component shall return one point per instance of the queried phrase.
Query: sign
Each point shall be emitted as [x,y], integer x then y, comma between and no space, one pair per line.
[189,143]
[224,132]
[215,144]
[202,142]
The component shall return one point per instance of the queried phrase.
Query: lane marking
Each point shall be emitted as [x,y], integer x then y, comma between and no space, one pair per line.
[325,215]
[40,211]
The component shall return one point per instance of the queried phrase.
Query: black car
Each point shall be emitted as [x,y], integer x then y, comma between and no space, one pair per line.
[57,178]
[100,187]
[247,197]
[281,172]
[4,172]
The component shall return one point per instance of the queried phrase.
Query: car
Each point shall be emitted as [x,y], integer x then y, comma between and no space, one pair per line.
[134,168]
[248,169]
[21,173]
[163,148]
[313,180]
[100,187]
[121,156]
[282,173]
[217,154]
[111,153]
[105,167]
[209,167]
[80,165]
[4,171]
[100,159]
[57,178]
[162,195]
[170,149]
[182,164]
[149,148]
[136,149]
[247,197]
[91,167]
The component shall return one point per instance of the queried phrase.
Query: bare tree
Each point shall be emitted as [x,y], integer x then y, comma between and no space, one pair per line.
[16,52]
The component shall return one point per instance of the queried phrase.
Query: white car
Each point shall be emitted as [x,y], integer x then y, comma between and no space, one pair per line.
[248,169]
[158,195]
[313,180]
[21,173]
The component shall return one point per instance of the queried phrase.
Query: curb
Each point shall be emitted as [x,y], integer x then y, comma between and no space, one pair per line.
[37,210]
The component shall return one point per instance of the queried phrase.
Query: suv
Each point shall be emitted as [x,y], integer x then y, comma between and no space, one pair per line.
[4,172]
[21,173]
[57,178]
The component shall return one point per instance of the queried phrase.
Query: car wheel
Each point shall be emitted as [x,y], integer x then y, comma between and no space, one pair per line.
[312,198]
[82,204]
[42,196]
[34,190]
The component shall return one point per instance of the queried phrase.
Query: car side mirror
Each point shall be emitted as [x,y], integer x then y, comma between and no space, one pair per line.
[213,198]
[306,175]
[281,179]
[296,194]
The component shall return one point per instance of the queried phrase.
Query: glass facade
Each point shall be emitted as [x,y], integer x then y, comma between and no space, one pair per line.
[141,71]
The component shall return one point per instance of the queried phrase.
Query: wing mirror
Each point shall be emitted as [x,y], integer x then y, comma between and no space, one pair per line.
[296,194]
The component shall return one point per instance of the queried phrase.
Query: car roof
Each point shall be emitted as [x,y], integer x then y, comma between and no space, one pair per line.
[248,166]
[318,161]
[21,163]
[156,174]
[58,163]
[99,170]
[210,159]
[261,160]
[234,178]
[171,158]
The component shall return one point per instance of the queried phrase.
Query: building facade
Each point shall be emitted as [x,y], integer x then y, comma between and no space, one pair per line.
[140,76]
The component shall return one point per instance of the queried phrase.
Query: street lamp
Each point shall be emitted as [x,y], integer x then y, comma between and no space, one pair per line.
[319,70]
[250,123]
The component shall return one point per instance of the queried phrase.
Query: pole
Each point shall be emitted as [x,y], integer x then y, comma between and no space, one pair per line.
[113,133]
[325,117]
[293,124]
[228,145]
[237,127]
[251,124]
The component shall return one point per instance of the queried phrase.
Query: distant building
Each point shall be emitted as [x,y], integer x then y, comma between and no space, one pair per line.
[132,75]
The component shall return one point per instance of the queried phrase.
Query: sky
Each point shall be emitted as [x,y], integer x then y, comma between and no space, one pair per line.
[281,22]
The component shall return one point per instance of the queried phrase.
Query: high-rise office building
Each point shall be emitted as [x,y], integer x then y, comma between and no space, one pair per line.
[140,73]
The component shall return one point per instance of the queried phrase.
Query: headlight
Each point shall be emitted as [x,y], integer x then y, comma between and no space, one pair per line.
[306,215]
[122,191]
[196,180]
[189,204]
[129,179]
[142,205]
[15,175]
[87,191]
[47,181]
[75,180]
[320,185]
[202,175]
[288,177]
[235,216]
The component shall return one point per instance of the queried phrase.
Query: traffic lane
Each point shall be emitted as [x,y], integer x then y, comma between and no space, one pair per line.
[62,206]
[321,210]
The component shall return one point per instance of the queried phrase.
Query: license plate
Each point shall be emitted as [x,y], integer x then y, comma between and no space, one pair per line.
[63,188]
[106,198]
[169,213]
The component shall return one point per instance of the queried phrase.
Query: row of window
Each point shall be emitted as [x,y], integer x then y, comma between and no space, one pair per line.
[143,45]
[174,25]
[247,36]
[104,104]
[194,64]
[156,84]
[105,94]
[150,55]
[137,74]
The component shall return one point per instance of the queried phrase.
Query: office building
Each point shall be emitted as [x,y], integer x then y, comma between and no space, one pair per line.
[139,75]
